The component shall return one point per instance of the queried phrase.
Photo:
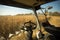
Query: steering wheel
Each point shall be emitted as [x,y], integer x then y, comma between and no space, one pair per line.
[30,24]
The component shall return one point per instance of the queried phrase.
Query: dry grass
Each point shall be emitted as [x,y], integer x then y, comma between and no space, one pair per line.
[11,21]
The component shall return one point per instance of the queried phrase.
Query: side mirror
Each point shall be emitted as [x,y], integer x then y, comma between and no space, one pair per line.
[50,7]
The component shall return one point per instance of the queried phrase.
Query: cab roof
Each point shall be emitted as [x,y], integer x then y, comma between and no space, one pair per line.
[28,4]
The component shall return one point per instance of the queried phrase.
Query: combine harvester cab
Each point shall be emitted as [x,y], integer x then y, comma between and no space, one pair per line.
[35,5]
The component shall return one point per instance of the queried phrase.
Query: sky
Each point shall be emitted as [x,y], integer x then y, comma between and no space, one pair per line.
[55,5]
[8,10]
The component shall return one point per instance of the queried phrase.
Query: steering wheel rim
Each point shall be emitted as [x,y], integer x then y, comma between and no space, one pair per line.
[30,24]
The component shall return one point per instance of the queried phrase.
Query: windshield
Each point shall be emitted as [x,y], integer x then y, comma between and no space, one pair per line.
[8,10]
[55,5]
